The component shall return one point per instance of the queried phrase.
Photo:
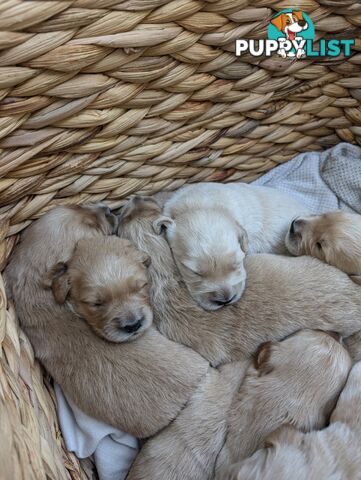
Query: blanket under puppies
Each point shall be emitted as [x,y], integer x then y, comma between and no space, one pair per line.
[322,181]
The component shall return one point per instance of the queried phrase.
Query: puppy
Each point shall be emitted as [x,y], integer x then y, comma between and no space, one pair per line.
[107,287]
[330,453]
[296,381]
[283,295]
[189,447]
[210,227]
[333,237]
[138,386]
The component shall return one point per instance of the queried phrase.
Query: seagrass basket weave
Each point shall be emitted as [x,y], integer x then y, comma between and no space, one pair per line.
[101,99]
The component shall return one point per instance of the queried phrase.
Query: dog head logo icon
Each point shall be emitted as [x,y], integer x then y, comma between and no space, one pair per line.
[291,26]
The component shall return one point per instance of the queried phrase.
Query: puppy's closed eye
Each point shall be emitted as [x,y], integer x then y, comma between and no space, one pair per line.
[199,274]
[93,304]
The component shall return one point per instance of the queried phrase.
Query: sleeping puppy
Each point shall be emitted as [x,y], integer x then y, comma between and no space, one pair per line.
[138,386]
[108,287]
[187,449]
[210,228]
[320,455]
[296,381]
[283,295]
[285,378]
[333,237]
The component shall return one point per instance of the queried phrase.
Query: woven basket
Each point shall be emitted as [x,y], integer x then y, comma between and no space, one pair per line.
[100,99]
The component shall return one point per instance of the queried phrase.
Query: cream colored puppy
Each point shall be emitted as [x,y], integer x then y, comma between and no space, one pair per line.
[138,386]
[332,453]
[333,237]
[187,449]
[278,387]
[283,295]
[106,284]
[296,381]
[211,226]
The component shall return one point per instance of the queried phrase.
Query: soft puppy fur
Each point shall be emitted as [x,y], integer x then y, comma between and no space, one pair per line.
[320,455]
[210,228]
[107,287]
[139,386]
[274,389]
[187,449]
[296,381]
[333,237]
[283,295]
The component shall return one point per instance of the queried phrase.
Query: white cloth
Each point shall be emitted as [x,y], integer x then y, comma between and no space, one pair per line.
[322,181]
[113,451]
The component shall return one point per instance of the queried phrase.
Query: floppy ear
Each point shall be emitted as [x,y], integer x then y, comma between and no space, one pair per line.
[279,22]
[162,223]
[242,237]
[59,282]
[138,206]
[298,14]
[261,359]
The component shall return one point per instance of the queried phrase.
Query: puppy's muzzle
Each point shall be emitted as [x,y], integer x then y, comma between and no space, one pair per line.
[224,300]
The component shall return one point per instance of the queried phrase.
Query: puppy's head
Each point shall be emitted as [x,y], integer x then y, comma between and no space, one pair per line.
[209,251]
[96,216]
[334,238]
[280,458]
[307,369]
[105,282]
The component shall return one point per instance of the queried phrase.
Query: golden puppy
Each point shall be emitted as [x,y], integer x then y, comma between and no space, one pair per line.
[107,286]
[139,386]
[278,387]
[295,381]
[283,295]
[320,455]
[333,237]
[187,449]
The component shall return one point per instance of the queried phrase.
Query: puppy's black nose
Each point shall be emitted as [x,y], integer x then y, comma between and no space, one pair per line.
[133,327]
[225,300]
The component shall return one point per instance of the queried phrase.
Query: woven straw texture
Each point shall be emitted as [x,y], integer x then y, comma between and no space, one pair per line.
[100,99]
